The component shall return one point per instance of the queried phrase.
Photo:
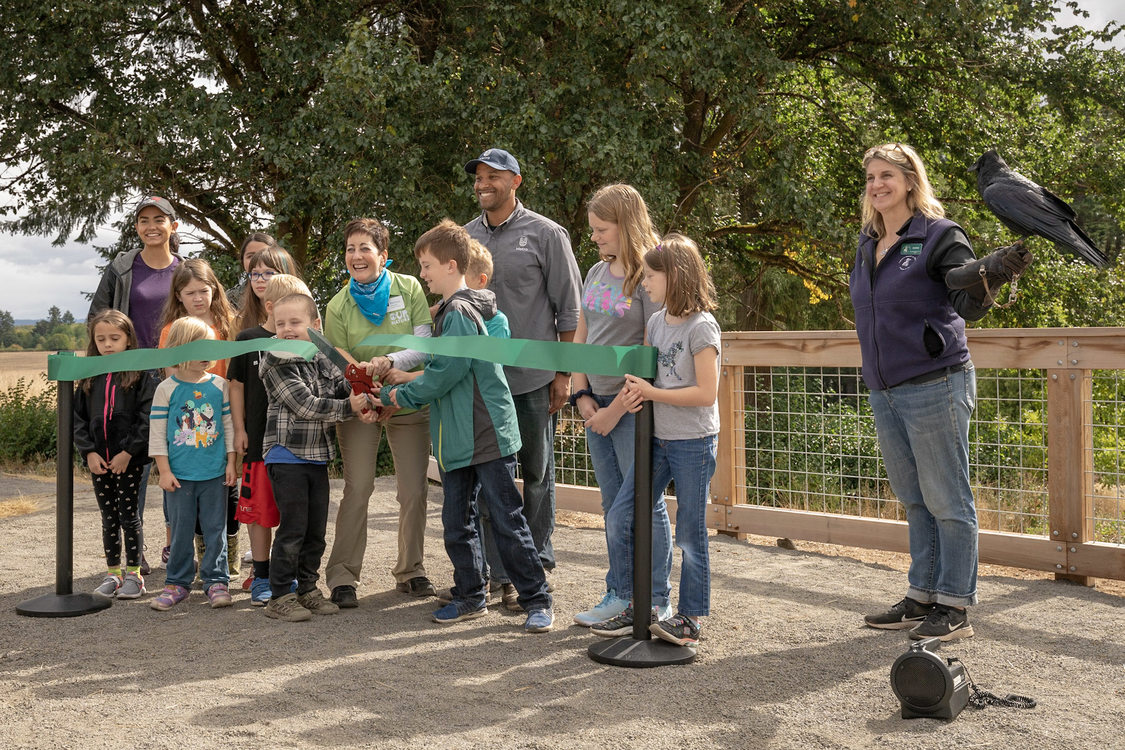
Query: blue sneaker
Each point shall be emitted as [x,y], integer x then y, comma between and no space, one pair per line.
[611,605]
[458,610]
[260,592]
[539,621]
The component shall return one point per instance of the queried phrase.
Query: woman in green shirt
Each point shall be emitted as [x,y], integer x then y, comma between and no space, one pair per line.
[377,300]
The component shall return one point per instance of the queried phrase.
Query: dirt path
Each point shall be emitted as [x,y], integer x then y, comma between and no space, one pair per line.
[784,662]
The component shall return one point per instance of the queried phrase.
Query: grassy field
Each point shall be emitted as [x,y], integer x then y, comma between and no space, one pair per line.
[30,366]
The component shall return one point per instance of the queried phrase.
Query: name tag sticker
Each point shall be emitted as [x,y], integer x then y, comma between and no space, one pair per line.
[912,248]
[396,303]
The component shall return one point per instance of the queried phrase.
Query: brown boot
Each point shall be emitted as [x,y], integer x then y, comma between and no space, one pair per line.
[234,557]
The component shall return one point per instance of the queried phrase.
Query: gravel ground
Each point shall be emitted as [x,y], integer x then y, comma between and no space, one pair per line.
[784,661]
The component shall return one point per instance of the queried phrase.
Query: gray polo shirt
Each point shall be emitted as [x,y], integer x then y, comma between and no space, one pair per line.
[536,281]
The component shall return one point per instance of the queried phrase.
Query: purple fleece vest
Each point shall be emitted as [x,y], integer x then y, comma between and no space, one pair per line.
[906,324]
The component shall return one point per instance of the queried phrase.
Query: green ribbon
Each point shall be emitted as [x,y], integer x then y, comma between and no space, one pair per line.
[559,356]
[68,367]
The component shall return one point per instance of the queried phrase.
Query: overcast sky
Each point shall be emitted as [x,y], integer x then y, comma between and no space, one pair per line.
[39,275]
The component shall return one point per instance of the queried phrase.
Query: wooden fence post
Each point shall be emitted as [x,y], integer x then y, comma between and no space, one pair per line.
[730,464]
[1070,462]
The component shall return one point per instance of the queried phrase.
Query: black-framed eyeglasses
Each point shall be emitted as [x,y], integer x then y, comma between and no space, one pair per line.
[262,275]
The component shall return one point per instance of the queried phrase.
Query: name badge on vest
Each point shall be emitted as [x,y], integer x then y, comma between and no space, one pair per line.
[396,303]
[912,248]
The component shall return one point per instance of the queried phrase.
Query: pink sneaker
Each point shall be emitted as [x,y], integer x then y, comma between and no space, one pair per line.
[169,597]
[219,596]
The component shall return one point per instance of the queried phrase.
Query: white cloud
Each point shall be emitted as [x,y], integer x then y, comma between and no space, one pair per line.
[40,275]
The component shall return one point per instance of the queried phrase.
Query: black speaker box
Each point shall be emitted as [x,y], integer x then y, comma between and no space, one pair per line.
[928,686]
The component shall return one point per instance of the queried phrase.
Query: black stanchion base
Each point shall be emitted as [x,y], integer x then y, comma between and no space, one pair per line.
[628,652]
[63,605]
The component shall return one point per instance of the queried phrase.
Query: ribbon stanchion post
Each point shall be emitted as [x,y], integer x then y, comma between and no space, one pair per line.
[64,602]
[641,649]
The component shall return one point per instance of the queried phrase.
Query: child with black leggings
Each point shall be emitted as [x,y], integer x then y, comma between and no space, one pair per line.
[111,415]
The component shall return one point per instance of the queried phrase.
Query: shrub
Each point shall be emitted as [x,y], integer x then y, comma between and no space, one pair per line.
[28,422]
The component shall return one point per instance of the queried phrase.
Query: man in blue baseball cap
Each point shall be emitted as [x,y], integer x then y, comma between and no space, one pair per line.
[537,285]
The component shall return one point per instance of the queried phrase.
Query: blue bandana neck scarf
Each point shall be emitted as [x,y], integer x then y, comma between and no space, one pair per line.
[372,298]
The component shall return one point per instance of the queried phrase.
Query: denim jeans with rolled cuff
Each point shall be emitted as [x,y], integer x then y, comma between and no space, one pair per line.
[923,431]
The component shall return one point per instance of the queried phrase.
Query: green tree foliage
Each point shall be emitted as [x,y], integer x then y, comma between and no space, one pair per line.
[7,328]
[743,124]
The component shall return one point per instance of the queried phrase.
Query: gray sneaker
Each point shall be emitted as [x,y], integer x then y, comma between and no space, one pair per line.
[108,588]
[315,602]
[132,587]
[287,608]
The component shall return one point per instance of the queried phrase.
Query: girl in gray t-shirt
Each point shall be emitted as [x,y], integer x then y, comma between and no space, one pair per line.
[614,308]
[686,417]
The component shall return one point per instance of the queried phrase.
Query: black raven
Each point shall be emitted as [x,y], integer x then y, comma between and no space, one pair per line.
[1027,208]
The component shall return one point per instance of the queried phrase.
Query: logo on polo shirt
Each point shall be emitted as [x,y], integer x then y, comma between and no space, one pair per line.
[523,240]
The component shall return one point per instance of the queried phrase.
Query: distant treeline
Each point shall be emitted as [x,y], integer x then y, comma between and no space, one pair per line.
[57,332]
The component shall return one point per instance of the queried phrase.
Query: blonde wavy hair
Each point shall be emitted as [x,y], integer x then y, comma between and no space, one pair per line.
[622,205]
[919,198]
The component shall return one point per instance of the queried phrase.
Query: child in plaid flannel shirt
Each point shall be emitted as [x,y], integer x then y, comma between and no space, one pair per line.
[305,398]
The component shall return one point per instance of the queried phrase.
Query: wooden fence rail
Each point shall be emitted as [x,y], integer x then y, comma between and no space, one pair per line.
[1067,357]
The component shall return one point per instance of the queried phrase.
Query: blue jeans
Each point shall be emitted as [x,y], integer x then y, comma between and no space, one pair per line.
[612,456]
[537,468]
[513,538]
[207,501]
[690,463]
[619,528]
[923,434]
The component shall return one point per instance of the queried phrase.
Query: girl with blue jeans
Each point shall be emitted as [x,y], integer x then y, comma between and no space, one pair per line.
[614,309]
[686,427]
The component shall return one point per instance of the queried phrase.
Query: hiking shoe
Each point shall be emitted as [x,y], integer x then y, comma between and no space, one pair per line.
[109,586]
[287,608]
[611,605]
[132,587]
[260,592]
[679,629]
[219,595]
[417,586]
[944,623]
[445,596]
[169,597]
[510,597]
[458,610]
[344,597]
[539,621]
[618,625]
[906,614]
[315,602]
[622,624]
[164,553]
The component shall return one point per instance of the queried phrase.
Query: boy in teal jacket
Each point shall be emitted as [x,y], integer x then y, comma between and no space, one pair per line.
[475,438]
